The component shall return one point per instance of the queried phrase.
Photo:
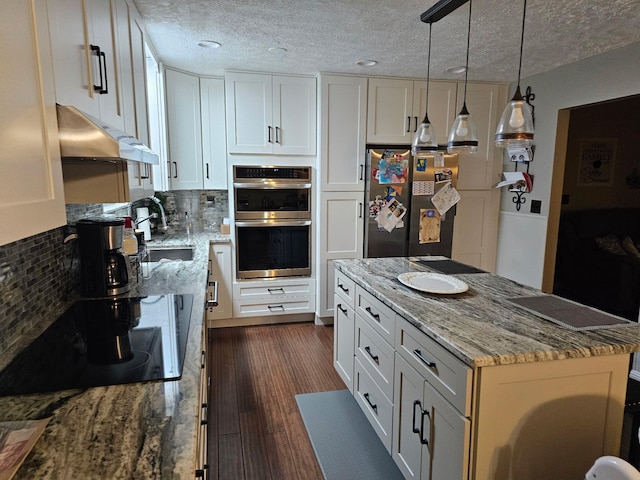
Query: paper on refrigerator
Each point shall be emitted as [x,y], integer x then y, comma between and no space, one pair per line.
[391,214]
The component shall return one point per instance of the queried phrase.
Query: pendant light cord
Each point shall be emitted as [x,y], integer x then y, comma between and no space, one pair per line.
[426,109]
[524,15]
[466,69]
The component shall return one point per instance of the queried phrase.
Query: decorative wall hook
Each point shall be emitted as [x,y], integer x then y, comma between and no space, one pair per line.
[529,97]
[519,198]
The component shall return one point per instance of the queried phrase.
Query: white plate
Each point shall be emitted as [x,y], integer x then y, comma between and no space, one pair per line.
[433,282]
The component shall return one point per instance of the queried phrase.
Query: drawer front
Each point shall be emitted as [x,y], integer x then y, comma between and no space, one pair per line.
[377,314]
[374,404]
[346,288]
[275,307]
[376,356]
[448,375]
[264,290]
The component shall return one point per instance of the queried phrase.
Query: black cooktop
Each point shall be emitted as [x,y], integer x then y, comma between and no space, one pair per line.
[105,341]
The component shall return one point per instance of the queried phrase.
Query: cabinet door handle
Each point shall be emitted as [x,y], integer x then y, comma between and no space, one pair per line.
[416,403]
[203,357]
[408,124]
[361,172]
[372,405]
[428,363]
[423,440]
[343,288]
[275,307]
[373,357]
[374,315]
[360,205]
[269,133]
[342,309]
[175,164]
[103,87]
[277,135]
[168,169]
[416,129]
[207,165]
[275,290]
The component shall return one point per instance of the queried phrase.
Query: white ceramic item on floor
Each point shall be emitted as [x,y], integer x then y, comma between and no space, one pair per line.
[612,468]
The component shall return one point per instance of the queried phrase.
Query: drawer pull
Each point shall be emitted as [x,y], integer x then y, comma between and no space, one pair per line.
[342,309]
[275,307]
[373,406]
[275,290]
[428,363]
[203,359]
[374,315]
[373,357]
[343,288]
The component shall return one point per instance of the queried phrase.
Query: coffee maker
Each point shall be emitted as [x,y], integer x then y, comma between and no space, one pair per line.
[104,269]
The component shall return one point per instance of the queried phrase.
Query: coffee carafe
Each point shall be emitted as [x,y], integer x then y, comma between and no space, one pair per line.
[104,269]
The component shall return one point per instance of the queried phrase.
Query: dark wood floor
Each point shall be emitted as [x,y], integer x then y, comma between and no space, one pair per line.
[256,431]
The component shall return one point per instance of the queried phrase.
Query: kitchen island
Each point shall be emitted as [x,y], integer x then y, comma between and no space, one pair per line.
[134,431]
[503,392]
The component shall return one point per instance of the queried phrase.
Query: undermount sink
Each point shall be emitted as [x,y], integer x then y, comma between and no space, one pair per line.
[169,253]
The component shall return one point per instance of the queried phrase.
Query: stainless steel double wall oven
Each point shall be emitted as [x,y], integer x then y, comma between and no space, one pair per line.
[272,207]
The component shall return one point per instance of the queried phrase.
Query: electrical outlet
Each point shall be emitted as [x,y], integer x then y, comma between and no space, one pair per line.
[212,199]
[536,206]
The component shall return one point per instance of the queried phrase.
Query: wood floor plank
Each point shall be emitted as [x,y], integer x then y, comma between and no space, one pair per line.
[230,465]
[260,370]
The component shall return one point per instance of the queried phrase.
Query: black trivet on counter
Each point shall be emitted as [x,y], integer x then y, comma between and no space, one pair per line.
[449,266]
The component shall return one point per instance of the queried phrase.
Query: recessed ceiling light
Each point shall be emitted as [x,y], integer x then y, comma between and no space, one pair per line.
[277,51]
[367,63]
[459,69]
[209,44]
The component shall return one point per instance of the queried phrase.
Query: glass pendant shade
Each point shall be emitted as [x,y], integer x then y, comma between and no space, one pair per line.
[463,136]
[425,138]
[516,124]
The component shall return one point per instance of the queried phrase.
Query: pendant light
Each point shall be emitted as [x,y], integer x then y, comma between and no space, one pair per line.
[425,138]
[463,137]
[516,123]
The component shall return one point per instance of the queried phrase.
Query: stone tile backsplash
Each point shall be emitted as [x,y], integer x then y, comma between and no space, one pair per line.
[38,273]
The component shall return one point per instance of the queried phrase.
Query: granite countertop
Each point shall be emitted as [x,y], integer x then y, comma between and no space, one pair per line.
[135,431]
[480,327]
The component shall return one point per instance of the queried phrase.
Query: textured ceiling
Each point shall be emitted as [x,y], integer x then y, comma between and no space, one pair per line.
[331,35]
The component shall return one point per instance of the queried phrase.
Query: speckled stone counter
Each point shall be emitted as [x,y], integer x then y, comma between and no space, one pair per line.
[134,431]
[479,326]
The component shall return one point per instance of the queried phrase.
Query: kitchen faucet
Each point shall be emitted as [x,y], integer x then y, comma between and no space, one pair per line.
[164,218]
[140,220]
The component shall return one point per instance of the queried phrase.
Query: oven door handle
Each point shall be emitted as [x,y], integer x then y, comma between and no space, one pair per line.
[274,223]
[265,185]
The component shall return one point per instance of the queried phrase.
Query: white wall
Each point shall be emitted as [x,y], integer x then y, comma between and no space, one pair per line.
[522,235]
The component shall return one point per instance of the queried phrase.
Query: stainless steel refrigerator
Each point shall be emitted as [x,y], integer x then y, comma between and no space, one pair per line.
[401,219]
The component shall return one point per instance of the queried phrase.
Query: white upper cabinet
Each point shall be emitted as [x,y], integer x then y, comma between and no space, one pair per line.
[196,132]
[139,71]
[396,108]
[91,52]
[214,137]
[343,124]
[184,130]
[31,187]
[270,114]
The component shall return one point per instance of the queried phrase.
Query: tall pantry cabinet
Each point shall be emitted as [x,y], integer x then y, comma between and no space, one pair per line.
[31,186]
[341,209]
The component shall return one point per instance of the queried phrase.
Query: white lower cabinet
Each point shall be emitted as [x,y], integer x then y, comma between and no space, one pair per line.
[430,437]
[274,297]
[220,272]
[344,328]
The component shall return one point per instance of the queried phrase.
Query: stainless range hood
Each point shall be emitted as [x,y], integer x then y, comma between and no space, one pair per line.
[83,137]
